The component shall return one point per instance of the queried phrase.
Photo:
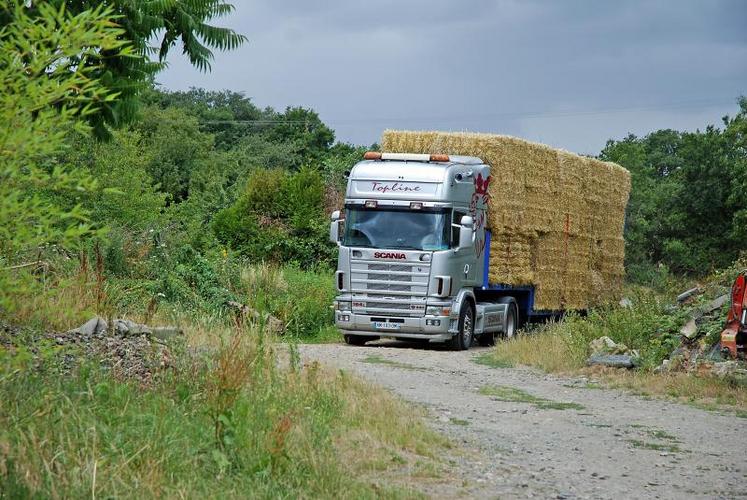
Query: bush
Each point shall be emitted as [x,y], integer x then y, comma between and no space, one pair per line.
[300,299]
[190,279]
[278,218]
[222,426]
[645,326]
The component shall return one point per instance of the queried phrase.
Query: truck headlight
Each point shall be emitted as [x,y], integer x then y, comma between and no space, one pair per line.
[342,305]
[437,311]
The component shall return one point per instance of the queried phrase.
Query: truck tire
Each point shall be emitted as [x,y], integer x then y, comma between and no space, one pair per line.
[358,339]
[463,339]
[512,323]
[512,319]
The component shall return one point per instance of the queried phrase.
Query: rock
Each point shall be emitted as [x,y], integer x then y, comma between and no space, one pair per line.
[690,329]
[607,346]
[687,294]
[166,332]
[626,302]
[612,360]
[663,367]
[715,353]
[94,326]
[716,304]
[128,327]
[729,368]
[602,344]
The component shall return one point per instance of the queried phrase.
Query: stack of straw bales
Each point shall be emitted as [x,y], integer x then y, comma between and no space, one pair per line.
[556,217]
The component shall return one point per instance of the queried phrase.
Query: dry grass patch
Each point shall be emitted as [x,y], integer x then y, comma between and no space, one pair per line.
[704,391]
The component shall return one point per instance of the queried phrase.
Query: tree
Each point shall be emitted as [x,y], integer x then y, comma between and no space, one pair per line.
[125,76]
[177,147]
[303,128]
[687,207]
[229,116]
[48,64]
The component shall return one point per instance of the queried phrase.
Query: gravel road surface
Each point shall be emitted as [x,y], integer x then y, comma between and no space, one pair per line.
[529,434]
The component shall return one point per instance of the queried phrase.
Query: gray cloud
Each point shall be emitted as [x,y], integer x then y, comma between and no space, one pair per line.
[571,73]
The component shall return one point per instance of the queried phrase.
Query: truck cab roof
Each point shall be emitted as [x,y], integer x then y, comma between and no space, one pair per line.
[411,177]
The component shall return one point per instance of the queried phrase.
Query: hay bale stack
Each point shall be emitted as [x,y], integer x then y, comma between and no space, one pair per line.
[556,217]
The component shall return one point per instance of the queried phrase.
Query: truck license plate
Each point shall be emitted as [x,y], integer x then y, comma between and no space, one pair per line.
[382,325]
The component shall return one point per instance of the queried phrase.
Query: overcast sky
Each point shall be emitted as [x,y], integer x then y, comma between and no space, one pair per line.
[571,74]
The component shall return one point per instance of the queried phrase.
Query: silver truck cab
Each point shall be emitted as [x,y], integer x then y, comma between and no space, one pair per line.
[413,252]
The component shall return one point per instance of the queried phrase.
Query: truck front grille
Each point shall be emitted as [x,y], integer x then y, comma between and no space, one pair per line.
[393,289]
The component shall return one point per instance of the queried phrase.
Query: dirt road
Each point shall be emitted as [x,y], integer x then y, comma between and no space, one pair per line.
[536,435]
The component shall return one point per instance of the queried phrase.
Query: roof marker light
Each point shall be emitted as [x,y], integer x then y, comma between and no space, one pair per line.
[371,203]
[416,205]
[372,155]
[440,158]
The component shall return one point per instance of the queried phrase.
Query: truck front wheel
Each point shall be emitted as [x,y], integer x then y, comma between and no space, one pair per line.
[463,339]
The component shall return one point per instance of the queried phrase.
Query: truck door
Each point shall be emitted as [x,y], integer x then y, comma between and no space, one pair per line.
[464,270]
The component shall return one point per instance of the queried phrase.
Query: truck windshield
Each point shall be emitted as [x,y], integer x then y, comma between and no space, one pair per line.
[426,229]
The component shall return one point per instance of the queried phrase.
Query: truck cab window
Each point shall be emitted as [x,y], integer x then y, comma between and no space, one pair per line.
[397,228]
[456,220]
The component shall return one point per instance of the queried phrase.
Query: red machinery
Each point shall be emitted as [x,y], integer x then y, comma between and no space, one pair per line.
[734,336]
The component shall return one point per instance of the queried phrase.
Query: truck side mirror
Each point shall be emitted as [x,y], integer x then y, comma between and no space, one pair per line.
[334,228]
[466,232]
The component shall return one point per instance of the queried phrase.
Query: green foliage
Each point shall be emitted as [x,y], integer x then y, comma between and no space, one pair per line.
[123,75]
[646,326]
[41,100]
[221,427]
[227,115]
[278,218]
[305,305]
[131,199]
[176,147]
[687,207]
[300,299]
[303,128]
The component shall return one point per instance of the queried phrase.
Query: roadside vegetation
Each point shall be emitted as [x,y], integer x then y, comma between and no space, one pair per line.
[202,210]
[235,421]
[118,200]
[651,325]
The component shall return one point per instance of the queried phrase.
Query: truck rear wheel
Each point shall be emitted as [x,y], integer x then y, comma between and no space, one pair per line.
[512,321]
[463,339]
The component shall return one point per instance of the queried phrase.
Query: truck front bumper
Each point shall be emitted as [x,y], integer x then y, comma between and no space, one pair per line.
[409,328]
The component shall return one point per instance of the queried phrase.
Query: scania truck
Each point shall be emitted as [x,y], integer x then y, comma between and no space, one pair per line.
[414,254]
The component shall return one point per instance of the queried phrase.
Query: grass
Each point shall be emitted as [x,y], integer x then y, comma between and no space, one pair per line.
[660,434]
[705,392]
[562,347]
[489,359]
[645,445]
[514,395]
[379,360]
[458,421]
[227,418]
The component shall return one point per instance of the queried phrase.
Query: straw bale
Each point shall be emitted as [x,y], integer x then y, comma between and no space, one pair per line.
[556,217]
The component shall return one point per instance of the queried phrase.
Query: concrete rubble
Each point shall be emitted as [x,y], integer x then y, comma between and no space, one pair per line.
[131,350]
[695,353]
[606,352]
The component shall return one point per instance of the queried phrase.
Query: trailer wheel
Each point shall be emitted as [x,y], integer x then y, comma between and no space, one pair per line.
[512,317]
[512,321]
[463,339]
